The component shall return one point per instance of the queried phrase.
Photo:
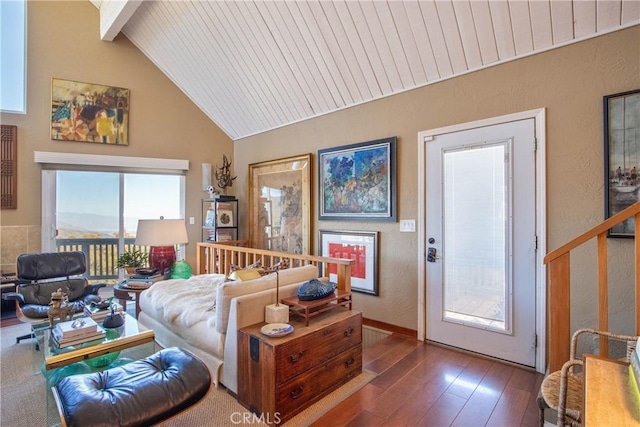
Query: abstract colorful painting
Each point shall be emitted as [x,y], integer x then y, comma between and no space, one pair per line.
[358,181]
[88,112]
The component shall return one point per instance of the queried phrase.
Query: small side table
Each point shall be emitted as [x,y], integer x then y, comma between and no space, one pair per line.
[278,377]
[123,294]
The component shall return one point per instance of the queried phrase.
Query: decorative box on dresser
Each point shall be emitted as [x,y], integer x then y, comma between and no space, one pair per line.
[279,377]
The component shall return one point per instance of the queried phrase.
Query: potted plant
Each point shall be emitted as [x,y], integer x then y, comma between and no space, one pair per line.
[130,260]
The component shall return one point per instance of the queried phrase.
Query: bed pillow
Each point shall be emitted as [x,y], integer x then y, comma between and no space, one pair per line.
[229,290]
[282,265]
[234,268]
[244,275]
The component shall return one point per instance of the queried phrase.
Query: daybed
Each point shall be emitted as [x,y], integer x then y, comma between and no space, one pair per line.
[204,313]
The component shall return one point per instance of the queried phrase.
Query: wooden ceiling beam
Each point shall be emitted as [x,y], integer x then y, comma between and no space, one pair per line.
[114,14]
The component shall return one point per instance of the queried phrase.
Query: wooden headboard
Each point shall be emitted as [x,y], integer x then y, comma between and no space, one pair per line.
[216,258]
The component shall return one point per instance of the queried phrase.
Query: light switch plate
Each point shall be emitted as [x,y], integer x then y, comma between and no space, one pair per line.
[192,220]
[407,225]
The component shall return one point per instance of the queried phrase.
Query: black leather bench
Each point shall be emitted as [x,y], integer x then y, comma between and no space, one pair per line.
[140,393]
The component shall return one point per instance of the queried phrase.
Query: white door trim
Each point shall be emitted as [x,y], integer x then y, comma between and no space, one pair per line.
[541,189]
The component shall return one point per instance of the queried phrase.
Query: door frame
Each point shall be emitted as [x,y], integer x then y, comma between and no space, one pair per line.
[541,230]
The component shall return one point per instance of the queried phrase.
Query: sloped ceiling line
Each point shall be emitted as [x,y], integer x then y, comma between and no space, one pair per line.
[256,65]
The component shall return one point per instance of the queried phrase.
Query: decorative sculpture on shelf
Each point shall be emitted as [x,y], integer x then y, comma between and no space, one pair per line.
[223,175]
[212,191]
[59,307]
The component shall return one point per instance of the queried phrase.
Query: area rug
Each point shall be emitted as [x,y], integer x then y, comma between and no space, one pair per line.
[23,403]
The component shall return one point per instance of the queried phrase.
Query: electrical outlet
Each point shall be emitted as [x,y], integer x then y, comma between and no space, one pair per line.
[192,220]
[407,225]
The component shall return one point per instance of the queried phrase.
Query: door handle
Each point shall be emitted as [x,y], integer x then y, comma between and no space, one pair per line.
[431,255]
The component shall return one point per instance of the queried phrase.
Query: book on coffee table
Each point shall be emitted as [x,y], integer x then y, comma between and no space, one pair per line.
[98,314]
[75,328]
[91,336]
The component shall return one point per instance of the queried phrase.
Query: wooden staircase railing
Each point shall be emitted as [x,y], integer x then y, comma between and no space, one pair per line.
[216,258]
[560,280]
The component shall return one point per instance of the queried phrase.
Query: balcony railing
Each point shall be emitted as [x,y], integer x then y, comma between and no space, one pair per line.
[101,254]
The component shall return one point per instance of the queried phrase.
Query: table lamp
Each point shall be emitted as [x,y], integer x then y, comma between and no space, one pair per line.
[161,235]
[277,313]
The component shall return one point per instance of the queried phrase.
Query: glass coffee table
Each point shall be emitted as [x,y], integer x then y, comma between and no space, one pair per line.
[121,345]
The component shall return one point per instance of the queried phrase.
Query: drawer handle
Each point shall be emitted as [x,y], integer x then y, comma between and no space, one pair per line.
[295,357]
[349,332]
[297,392]
[349,362]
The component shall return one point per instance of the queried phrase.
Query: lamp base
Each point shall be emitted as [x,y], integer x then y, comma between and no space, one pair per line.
[276,313]
[162,257]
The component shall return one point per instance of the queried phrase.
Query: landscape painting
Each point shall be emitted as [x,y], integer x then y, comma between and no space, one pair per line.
[622,157]
[88,112]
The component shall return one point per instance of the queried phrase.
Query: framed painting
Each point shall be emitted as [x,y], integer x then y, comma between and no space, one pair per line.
[358,181]
[622,157]
[88,112]
[361,246]
[280,204]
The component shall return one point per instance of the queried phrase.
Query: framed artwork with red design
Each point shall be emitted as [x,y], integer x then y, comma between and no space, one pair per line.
[360,246]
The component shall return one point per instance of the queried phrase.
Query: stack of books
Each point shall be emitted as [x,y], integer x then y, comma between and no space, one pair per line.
[142,282]
[98,314]
[78,331]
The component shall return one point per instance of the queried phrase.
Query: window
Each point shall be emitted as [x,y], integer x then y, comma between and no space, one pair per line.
[97,212]
[13,56]
[88,196]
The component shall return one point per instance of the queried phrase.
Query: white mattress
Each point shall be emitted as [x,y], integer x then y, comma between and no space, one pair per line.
[187,307]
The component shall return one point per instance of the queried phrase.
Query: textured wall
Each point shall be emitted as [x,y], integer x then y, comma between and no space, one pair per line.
[64,42]
[16,240]
[570,82]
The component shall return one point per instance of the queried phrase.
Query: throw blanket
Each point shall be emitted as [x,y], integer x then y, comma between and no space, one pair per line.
[186,302]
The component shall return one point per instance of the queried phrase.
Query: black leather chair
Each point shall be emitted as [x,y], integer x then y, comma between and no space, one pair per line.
[40,274]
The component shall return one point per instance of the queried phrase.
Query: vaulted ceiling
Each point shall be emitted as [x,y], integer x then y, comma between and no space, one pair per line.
[253,65]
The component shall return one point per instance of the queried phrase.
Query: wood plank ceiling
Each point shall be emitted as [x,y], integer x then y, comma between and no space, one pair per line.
[252,66]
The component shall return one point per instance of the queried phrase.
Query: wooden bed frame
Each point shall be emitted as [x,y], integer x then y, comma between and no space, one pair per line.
[216,258]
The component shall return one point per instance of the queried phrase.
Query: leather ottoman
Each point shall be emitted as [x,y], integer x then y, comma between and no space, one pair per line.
[140,393]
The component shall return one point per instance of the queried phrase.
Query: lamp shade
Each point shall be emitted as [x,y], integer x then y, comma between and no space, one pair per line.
[161,232]
[161,235]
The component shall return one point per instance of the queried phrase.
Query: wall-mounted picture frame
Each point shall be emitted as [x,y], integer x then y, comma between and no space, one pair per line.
[284,187]
[358,181]
[622,157]
[88,112]
[224,215]
[362,247]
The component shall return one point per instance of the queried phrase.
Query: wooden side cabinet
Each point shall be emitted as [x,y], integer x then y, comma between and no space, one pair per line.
[609,395]
[279,377]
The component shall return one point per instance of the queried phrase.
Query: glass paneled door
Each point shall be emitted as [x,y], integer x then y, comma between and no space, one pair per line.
[480,227]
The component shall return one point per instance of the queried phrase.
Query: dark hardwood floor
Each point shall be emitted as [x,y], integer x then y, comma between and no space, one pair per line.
[421,384]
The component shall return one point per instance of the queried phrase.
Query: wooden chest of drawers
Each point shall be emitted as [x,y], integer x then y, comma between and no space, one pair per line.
[279,377]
